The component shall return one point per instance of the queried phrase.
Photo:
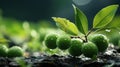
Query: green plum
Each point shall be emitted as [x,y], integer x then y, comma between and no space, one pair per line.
[63,42]
[15,51]
[76,46]
[50,40]
[89,49]
[3,50]
[100,41]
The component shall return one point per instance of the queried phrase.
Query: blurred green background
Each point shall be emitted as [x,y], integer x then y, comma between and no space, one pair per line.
[26,22]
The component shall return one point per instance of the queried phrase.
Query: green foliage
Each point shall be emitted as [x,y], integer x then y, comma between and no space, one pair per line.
[101,19]
[101,24]
[104,16]
[8,26]
[34,45]
[81,20]
[66,25]
[115,23]
[31,36]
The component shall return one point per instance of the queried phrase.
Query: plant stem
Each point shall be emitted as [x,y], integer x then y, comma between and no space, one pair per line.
[89,32]
[86,39]
[78,37]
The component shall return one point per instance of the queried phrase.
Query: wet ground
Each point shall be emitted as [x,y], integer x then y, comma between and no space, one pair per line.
[111,58]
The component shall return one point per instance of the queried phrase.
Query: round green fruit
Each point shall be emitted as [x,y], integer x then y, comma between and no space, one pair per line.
[100,41]
[15,51]
[50,41]
[75,48]
[3,50]
[89,49]
[63,42]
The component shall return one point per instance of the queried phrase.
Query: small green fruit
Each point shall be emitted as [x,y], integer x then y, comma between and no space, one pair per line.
[3,50]
[76,45]
[63,42]
[15,51]
[100,41]
[50,41]
[89,49]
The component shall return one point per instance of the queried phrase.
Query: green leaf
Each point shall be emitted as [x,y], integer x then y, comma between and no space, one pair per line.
[115,23]
[81,20]
[104,16]
[66,25]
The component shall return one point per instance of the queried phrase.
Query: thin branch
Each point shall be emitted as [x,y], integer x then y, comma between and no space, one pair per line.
[86,40]
[77,37]
[89,32]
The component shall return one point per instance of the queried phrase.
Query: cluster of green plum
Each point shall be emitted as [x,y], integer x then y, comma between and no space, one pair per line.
[76,46]
[14,51]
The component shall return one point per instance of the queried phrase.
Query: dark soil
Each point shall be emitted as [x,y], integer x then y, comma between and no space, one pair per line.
[111,58]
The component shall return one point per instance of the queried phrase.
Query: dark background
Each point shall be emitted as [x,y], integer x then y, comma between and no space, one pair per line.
[35,10]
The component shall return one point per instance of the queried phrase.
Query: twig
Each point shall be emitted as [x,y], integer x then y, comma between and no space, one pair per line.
[89,32]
